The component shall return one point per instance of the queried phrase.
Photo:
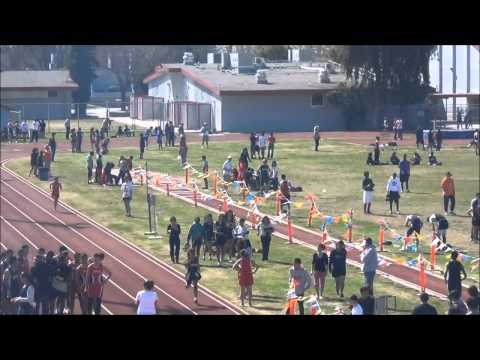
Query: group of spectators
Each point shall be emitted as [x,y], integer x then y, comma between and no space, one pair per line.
[16,131]
[53,283]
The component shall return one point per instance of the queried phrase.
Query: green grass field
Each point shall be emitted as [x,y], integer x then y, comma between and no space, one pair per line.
[337,168]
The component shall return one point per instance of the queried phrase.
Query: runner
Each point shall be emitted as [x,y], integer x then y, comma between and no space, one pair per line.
[55,187]
[147,299]
[127,194]
[301,281]
[319,269]
[95,284]
[245,267]
[193,275]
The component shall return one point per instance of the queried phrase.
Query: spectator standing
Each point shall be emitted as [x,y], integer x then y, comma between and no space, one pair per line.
[35,129]
[319,269]
[173,230]
[205,171]
[453,273]
[253,140]
[33,162]
[337,266]
[26,300]
[53,145]
[316,136]
[368,188]
[474,211]
[24,130]
[419,138]
[439,139]
[41,281]
[448,188]
[127,194]
[301,281]
[369,260]
[243,164]
[98,170]
[159,134]
[73,140]
[285,195]
[274,175]
[79,140]
[90,167]
[393,192]
[424,308]
[142,145]
[459,119]
[147,299]
[400,128]
[271,146]
[262,142]
[66,123]
[404,173]
[196,234]
[228,169]
[265,231]
[204,131]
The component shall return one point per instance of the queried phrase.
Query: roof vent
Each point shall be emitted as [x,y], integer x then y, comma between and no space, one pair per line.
[261,77]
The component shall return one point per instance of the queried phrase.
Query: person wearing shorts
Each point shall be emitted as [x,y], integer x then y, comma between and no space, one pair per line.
[367,186]
[337,266]
[95,283]
[319,269]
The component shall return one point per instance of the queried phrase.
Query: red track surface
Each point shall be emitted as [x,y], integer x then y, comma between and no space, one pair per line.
[27,216]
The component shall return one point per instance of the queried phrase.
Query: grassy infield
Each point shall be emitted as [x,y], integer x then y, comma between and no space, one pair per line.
[337,169]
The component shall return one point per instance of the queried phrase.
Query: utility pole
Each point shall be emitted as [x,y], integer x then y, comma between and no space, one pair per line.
[151,200]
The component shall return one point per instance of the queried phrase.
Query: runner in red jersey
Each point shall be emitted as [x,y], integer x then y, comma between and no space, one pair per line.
[95,283]
[55,187]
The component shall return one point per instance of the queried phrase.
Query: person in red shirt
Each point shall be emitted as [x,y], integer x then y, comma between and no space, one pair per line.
[55,187]
[448,187]
[95,283]
[271,146]
[285,191]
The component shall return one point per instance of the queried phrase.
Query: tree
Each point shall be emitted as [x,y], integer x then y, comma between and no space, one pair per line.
[81,63]
[22,57]
[395,74]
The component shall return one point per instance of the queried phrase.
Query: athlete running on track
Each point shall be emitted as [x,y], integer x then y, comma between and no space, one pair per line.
[55,187]
[95,283]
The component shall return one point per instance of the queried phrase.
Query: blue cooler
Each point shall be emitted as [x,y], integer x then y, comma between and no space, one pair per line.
[43,173]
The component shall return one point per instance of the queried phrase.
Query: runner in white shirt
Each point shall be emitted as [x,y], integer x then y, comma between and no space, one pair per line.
[147,300]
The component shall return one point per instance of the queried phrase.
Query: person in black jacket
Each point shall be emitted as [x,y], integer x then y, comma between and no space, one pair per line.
[338,266]
[439,139]
[98,170]
[142,145]
[419,136]
[366,301]
[41,281]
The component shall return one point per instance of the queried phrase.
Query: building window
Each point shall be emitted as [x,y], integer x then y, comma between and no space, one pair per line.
[317,100]
[52,93]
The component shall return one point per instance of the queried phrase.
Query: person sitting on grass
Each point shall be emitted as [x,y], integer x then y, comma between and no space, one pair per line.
[355,305]
[367,301]
[370,159]
[394,159]
[424,308]
[416,159]
[432,160]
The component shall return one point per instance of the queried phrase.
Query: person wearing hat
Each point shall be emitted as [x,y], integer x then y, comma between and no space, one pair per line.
[439,226]
[369,260]
[228,169]
[448,188]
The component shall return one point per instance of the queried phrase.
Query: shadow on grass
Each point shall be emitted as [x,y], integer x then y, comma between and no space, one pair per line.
[278,262]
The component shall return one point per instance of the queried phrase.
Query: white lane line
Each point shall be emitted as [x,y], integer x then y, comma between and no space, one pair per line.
[33,245]
[3,246]
[160,263]
[99,247]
